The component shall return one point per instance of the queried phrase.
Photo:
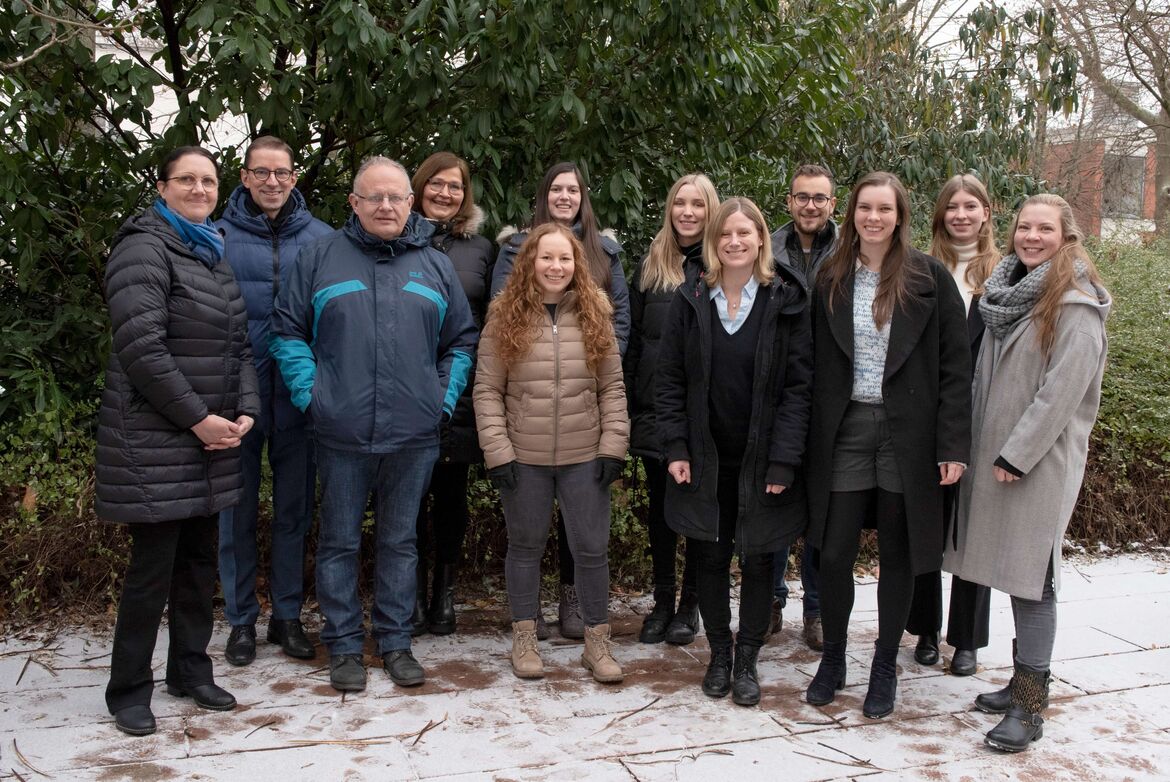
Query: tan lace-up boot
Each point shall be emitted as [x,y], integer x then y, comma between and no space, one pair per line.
[598,656]
[526,662]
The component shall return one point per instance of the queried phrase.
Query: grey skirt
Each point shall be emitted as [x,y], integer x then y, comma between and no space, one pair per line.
[863,455]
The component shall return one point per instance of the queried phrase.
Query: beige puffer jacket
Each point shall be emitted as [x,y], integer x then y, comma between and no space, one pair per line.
[548,408]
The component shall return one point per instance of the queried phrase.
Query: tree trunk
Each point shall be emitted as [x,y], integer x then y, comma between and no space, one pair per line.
[1162,176]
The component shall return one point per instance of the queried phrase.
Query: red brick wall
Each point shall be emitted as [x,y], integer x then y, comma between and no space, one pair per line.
[1074,170]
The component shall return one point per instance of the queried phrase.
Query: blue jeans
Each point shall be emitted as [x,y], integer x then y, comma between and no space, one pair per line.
[810,562]
[290,453]
[397,481]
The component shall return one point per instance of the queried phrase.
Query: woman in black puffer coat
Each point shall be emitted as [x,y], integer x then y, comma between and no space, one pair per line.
[180,393]
[443,194]
[677,247]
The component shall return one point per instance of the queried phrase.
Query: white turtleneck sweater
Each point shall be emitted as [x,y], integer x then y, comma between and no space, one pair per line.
[964,253]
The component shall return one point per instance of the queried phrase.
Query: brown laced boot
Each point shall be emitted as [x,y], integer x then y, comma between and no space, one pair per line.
[526,662]
[598,655]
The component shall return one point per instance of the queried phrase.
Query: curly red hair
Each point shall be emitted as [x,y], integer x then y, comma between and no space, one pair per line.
[516,314]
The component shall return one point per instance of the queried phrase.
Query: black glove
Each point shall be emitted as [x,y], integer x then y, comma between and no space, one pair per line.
[504,476]
[608,469]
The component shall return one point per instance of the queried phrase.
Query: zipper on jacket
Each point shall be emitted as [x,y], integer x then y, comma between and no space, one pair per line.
[275,292]
[556,387]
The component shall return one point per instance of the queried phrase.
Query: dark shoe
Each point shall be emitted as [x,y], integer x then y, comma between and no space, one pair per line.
[292,639]
[964,663]
[542,631]
[926,652]
[241,645]
[813,634]
[883,682]
[347,673]
[135,720]
[998,702]
[206,696]
[745,687]
[830,675]
[655,624]
[569,614]
[418,617]
[441,614]
[682,628]
[775,619]
[404,670]
[1022,724]
[717,680]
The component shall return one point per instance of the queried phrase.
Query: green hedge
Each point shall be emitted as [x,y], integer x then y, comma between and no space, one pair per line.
[56,557]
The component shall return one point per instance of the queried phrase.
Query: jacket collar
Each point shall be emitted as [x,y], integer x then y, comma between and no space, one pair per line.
[237,213]
[416,233]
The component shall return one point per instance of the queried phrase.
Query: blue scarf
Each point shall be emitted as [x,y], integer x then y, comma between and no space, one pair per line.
[203,238]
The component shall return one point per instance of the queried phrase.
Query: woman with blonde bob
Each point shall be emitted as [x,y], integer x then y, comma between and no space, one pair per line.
[734,378]
[963,239]
[1036,393]
[551,410]
[677,247]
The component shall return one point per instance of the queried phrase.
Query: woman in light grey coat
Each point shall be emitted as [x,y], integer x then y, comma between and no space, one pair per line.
[1036,392]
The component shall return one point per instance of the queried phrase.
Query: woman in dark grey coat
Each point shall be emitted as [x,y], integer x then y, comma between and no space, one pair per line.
[891,423]
[180,393]
[443,195]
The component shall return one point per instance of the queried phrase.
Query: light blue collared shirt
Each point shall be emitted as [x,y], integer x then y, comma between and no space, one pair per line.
[746,300]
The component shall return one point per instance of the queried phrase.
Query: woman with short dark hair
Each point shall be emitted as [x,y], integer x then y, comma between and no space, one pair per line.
[180,393]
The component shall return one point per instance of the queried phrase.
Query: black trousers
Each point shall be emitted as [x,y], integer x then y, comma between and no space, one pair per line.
[664,540]
[446,525]
[713,571]
[848,511]
[172,566]
[970,610]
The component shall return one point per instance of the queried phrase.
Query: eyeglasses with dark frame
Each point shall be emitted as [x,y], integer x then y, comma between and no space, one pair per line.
[282,174]
[802,199]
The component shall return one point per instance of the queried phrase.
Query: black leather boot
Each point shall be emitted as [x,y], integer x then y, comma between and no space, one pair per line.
[685,622]
[418,619]
[926,651]
[1022,724]
[830,675]
[655,623]
[745,686]
[441,615]
[717,680]
[883,682]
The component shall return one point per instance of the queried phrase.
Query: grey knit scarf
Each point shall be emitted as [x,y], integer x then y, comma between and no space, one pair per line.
[1003,303]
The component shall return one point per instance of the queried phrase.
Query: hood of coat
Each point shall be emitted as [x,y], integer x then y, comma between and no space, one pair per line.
[236,212]
[512,234]
[469,228]
[416,233]
[1090,294]
[151,223]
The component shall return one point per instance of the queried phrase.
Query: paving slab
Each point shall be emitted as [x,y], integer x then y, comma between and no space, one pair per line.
[472,720]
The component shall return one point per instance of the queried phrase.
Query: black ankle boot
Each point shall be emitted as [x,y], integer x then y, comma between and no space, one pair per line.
[830,675]
[926,651]
[418,619]
[441,614]
[655,623]
[717,680]
[1022,724]
[883,682]
[685,623]
[745,687]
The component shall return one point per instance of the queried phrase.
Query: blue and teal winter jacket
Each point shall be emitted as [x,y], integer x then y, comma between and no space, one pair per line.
[261,255]
[374,338]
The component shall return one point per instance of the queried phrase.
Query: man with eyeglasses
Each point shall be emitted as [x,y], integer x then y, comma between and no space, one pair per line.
[804,243]
[375,339]
[265,224]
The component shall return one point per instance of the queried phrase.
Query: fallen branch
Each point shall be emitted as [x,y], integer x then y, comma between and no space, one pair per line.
[616,720]
[270,722]
[23,669]
[431,725]
[20,756]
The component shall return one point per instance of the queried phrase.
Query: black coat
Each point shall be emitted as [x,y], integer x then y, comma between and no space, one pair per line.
[473,257]
[779,415]
[926,391]
[648,313]
[180,352]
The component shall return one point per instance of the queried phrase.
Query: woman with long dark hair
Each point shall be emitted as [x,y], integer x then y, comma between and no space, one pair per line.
[180,394]
[677,247]
[563,198]
[891,423]
[444,195]
[551,410]
[1037,391]
[733,406]
[963,238]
